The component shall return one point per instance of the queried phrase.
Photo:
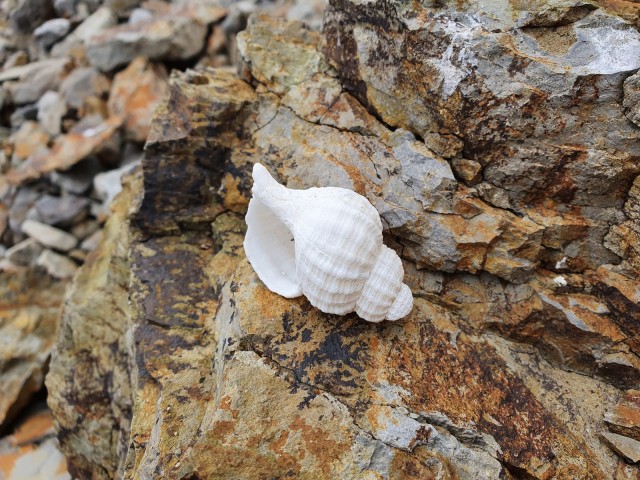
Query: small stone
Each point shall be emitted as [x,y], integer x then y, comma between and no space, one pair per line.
[51,109]
[67,150]
[43,76]
[52,31]
[140,15]
[82,83]
[101,19]
[29,139]
[49,236]
[91,243]
[16,59]
[626,447]
[83,229]
[65,8]
[135,94]
[29,14]
[24,114]
[171,37]
[107,185]
[77,254]
[24,253]
[624,419]
[62,211]
[79,178]
[469,171]
[22,203]
[56,265]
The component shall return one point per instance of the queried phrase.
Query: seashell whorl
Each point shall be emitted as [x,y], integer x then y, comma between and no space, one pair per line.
[325,243]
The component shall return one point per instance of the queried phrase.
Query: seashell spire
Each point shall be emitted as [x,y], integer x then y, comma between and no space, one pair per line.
[325,243]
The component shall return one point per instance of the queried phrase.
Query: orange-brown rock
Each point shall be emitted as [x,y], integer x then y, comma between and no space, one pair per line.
[67,150]
[135,93]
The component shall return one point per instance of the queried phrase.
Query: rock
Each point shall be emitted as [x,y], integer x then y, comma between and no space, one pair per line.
[626,447]
[140,15]
[624,419]
[83,229]
[105,277]
[102,19]
[24,114]
[310,12]
[30,303]
[32,451]
[16,59]
[135,93]
[22,202]
[171,37]
[468,170]
[79,178]
[56,265]
[36,79]
[108,184]
[52,31]
[29,140]
[496,373]
[51,109]
[49,236]
[24,253]
[67,150]
[631,100]
[92,242]
[29,14]
[81,84]
[488,62]
[62,211]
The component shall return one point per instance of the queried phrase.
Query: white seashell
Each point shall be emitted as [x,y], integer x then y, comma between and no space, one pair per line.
[325,243]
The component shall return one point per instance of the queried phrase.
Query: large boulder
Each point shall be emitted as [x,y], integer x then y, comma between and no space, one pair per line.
[186,366]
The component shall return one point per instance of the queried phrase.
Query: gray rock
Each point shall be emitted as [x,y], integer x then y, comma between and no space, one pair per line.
[626,447]
[49,236]
[65,8]
[24,253]
[38,79]
[24,199]
[56,265]
[96,22]
[52,31]
[24,114]
[308,11]
[108,184]
[78,179]
[631,100]
[30,14]
[140,15]
[62,211]
[78,85]
[167,38]
[51,109]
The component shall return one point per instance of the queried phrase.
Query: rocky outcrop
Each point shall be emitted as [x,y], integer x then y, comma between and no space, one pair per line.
[508,197]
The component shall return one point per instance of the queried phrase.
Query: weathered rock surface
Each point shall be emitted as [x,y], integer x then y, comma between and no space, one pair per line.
[174,36]
[499,371]
[92,405]
[29,309]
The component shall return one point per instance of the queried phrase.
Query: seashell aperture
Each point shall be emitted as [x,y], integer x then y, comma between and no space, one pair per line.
[324,243]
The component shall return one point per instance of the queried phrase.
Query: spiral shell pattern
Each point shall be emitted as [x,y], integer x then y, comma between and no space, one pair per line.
[338,260]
